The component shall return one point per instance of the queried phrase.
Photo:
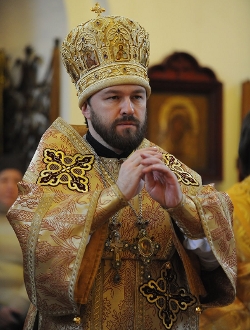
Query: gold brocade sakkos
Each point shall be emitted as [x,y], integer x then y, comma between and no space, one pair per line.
[62,219]
[237,315]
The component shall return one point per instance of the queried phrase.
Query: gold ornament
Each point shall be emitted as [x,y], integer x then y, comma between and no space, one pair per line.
[167,295]
[66,169]
[198,309]
[77,320]
[98,9]
[104,52]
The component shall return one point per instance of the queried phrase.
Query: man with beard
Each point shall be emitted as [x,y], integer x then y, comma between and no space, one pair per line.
[117,233]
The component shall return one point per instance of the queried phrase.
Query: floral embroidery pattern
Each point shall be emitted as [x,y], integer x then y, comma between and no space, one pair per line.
[175,165]
[167,296]
[66,169]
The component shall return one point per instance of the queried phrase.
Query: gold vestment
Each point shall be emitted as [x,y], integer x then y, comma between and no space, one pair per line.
[237,315]
[61,219]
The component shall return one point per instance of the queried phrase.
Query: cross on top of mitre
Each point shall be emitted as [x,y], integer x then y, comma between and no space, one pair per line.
[97,9]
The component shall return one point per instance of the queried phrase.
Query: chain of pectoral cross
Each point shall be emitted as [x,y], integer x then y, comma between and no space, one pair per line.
[114,243]
[143,247]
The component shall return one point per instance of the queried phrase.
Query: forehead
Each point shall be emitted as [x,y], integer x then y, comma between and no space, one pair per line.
[11,174]
[122,89]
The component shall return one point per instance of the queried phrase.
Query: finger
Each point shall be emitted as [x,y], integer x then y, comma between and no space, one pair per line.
[148,155]
[136,160]
[149,150]
[157,166]
[150,160]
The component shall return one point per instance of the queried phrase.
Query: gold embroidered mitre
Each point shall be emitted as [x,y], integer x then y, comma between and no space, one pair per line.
[104,52]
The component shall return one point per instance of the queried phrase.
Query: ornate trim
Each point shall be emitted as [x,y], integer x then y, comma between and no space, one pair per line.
[175,165]
[168,297]
[65,169]
[32,241]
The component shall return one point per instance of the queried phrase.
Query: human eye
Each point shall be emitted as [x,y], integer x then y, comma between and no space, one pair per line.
[112,97]
[138,97]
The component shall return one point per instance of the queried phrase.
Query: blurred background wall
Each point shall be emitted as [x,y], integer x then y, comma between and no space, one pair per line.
[215,32]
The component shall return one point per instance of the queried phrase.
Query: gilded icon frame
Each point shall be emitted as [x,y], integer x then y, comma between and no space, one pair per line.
[185,116]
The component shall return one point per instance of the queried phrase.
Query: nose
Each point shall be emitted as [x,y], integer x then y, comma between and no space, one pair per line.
[127,107]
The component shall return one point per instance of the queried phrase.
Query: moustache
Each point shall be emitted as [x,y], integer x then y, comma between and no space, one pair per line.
[126,118]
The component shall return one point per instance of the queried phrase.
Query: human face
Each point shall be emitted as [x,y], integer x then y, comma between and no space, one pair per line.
[117,116]
[8,186]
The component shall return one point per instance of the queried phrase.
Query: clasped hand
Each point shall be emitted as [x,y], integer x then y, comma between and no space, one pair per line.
[145,167]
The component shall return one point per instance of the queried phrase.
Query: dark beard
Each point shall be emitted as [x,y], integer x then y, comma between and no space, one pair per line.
[128,140]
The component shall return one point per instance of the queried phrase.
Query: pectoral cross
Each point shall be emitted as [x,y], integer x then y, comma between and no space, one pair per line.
[115,245]
[144,248]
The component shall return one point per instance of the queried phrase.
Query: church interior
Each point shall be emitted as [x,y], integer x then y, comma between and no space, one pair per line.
[199,52]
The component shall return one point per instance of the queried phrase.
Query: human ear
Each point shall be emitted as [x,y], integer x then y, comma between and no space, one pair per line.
[86,110]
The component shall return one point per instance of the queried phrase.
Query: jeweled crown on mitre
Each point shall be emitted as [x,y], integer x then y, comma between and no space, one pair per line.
[106,51]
